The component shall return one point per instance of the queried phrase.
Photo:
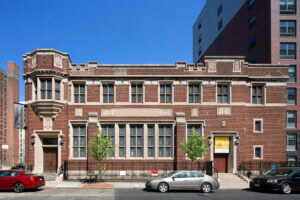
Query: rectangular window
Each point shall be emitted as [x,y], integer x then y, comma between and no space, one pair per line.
[199,39]
[288,28]
[194,93]
[57,90]
[108,93]
[291,142]
[292,74]
[220,25]
[251,4]
[199,25]
[223,93]
[166,93]
[165,141]
[109,131]
[257,94]
[292,161]
[291,96]
[220,8]
[136,93]
[291,117]
[194,127]
[251,23]
[79,141]
[258,152]
[252,42]
[287,7]
[257,125]
[46,89]
[287,51]
[79,93]
[136,141]
[151,141]
[122,141]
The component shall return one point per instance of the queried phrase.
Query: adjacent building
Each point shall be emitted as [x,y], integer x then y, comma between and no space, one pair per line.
[9,96]
[264,32]
[149,109]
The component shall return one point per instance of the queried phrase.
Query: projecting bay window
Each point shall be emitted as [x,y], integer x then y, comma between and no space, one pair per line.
[46,89]
[108,93]
[194,93]
[57,90]
[136,93]
[79,141]
[223,93]
[151,141]
[109,131]
[165,93]
[165,141]
[136,141]
[79,93]
[258,94]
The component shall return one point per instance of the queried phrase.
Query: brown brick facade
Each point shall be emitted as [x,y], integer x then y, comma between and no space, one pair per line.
[234,119]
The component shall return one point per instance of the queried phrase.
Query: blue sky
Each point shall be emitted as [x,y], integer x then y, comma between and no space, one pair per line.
[107,31]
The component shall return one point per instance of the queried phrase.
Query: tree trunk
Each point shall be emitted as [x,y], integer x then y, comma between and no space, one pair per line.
[192,165]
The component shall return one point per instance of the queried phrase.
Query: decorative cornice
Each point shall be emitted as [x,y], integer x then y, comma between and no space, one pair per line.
[47,108]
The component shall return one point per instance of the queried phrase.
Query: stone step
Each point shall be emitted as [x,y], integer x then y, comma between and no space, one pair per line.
[229,178]
[49,176]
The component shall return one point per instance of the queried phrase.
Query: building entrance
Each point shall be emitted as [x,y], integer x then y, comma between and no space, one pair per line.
[50,160]
[221,162]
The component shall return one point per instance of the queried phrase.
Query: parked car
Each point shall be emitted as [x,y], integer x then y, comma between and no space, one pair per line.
[18,181]
[285,180]
[183,180]
[19,167]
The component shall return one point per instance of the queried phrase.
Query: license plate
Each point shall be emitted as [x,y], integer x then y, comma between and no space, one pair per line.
[256,185]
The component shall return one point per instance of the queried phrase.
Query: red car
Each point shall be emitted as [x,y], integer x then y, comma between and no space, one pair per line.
[18,181]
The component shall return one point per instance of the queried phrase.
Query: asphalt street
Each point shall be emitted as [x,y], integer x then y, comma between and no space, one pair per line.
[138,194]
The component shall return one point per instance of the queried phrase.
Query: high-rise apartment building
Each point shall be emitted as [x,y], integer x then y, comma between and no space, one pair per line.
[264,31]
[9,95]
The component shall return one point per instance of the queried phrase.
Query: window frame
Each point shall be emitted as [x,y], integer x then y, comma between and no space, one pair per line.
[165,93]
[125,140]
[152,135]
[294,118]
[137,93]
[222,94]
[291,147]
[72,135]
[79,93]
[105,128]
[288,55]
[46,89]
[286,33]
[292,78]
[193,93]
[288,95]
[261,152]
[164,136]
[136,146]
[108,93]
[256,96]
[251,22]
[287,10]
[261,126]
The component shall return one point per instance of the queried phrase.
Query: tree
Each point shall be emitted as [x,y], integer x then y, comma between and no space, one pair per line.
[195,146]
[101,148]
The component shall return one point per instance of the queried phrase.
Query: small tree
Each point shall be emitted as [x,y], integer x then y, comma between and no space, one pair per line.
[101,148]
[195,146]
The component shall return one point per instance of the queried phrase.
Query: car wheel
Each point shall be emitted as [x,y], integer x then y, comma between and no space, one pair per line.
[163,187]
[286,188]
[18,187]
[206,187]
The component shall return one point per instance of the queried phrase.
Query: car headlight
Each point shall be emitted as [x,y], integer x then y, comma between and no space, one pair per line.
[273,181]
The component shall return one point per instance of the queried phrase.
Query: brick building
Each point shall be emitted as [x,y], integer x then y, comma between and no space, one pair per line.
[9,95]
[264,32]
[150,109]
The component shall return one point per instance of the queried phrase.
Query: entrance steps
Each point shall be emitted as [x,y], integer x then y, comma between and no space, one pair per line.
[50,176]
[230,178]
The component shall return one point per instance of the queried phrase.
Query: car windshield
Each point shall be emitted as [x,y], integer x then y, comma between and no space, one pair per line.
[278,172]
[168,175]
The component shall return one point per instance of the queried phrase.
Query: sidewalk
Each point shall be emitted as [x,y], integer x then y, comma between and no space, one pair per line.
[123,185]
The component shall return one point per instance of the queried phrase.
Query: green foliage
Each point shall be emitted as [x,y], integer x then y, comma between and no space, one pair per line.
[100,149]
[195,146]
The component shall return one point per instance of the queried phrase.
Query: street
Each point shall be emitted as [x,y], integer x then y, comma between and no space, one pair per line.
[136,194]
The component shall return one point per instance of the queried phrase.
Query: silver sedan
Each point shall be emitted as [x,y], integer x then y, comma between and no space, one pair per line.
[184,180]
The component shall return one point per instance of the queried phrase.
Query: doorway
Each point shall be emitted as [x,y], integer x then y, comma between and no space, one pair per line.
[50,160]
[221,162]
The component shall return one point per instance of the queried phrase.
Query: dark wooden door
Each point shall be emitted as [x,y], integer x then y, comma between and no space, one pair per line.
[50,160]
[220,162]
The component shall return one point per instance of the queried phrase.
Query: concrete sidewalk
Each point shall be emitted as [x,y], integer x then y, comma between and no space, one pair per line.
[124,185]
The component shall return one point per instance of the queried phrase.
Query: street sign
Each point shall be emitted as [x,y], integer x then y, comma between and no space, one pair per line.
[273,166]
[4,146]
[154,173]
